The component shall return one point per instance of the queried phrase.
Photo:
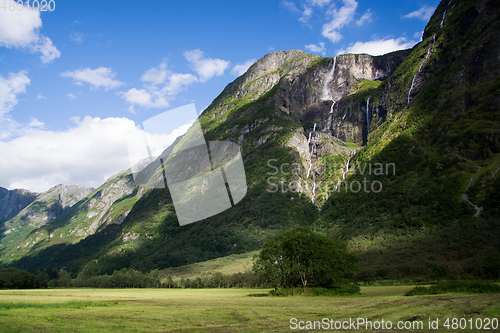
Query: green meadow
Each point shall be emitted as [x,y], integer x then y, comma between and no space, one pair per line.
[228,310]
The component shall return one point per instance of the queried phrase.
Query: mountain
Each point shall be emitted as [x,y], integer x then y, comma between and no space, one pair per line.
[12,202]
[397,154]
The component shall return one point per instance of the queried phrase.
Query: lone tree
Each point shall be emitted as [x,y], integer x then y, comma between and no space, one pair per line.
[300,257]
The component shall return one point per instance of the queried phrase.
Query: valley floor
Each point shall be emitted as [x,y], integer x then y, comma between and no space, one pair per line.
[229,310]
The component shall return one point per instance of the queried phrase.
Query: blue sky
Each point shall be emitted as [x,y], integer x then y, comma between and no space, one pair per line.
[75,80]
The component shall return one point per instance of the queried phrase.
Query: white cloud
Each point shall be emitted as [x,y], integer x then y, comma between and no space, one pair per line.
[205,67]
[340,18]
[315,48]
[418,35]
[307,11]
[35,123]
[10,88]
[424,13]
[40,96]
[306,14]
[156,75]
[70,95]
[9,128]
[76,37]
[47,49]
[239,69]
[86,154]
[100,77]
[318,2]
[379,47]
[366,18]
[21,29]
[290,6]
[145,98]
[14,85]
[177,82]
[160,86]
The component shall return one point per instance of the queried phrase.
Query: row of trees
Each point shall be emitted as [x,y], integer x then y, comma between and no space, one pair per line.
[217,280]
[15,278]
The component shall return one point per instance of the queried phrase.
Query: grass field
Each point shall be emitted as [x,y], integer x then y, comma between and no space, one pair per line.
[234,263]
[226,310]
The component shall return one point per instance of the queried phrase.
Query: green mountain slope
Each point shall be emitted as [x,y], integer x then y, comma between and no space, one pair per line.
[395,154]
[445,145]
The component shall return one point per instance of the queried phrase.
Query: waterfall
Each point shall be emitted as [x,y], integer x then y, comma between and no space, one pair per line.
[331,108]
[474,175]
[310,150]
[442,20]
[494,174]
[309,170]
[310,159]
[351,154]
[426,57]
[444,15]
[346,168]
[420,69]
[326,92]
[367,117]
[409,91]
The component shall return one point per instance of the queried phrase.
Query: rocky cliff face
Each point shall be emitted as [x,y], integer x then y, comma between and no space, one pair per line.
[313,94]
[308,94]
[52,204]
[306,86]
[259,79]
[13,201]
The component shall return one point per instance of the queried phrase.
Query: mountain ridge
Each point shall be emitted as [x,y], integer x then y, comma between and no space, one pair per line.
[13,201]
[429,113]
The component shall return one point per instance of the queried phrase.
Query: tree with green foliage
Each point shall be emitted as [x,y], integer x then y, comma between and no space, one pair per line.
[15,278]
[300,257]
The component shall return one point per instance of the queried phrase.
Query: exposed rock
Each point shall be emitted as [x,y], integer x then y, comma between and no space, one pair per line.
[130,236]
[52,204]
[299,142]
[13,201]
[260,78]
[301,94]
[261,140]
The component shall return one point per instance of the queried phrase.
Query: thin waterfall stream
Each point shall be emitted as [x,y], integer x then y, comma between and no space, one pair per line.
[367,117]
[426,57]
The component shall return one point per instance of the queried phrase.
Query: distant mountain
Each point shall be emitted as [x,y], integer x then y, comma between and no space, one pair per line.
[397,154]
[13,201]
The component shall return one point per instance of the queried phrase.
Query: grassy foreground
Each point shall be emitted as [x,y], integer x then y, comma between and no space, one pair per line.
[225,310]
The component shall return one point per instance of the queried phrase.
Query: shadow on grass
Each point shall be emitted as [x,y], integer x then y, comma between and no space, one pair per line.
[259,295]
